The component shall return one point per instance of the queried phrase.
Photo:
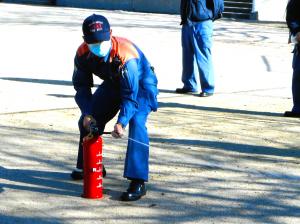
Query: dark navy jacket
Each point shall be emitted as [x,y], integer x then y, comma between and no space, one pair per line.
[293,16]
[132,77]
[195,10]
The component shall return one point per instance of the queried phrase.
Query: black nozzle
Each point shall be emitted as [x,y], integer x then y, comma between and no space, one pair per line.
[94,130]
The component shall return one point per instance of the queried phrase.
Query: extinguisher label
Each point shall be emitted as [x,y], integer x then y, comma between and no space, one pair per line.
[95,170]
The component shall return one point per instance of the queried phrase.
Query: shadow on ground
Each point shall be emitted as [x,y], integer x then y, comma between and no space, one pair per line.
[186,186]
[39,181]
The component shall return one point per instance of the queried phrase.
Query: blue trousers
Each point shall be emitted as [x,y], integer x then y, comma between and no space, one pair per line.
[296,80]
[196,41]
[105,106]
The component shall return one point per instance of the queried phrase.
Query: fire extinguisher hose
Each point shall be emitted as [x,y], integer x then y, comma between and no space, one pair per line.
[127,138]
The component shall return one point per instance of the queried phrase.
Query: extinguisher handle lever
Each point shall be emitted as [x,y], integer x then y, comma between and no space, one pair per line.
[94,130]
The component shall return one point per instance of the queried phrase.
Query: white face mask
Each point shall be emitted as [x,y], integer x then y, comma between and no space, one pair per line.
[100,49]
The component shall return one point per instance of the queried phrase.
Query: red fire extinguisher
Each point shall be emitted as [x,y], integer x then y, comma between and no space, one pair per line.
[92,167]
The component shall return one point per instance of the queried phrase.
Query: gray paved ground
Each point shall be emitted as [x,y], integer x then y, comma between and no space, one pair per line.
[231,158]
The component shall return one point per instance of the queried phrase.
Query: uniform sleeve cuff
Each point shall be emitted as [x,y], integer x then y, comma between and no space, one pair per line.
[122,121]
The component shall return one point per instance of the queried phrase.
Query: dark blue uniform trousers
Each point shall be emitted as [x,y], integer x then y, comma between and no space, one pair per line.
[296,80]
[196,43]
[105,106]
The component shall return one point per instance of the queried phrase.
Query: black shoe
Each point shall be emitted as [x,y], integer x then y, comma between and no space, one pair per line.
[291,114]
[77,174]
[183,91]
[103,171]
[134,192]
[204,94]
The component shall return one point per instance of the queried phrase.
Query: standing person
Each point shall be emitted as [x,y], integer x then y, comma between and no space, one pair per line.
[129,87]
[293,23]
[196,40]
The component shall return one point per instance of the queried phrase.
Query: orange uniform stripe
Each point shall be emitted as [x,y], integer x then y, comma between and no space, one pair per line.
[83,48]
[124,49]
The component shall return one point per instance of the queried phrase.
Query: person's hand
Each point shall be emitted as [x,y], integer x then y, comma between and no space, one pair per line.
[118,131]
[87,120]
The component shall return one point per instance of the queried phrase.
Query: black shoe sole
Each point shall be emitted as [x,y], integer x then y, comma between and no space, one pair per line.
[76,175]
[125,197]
[291,114]
[185,91]
[134,192]
[203,94]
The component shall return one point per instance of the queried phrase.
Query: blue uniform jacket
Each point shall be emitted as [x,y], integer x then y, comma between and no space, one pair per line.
[195,10]
[132,76]
[293,16]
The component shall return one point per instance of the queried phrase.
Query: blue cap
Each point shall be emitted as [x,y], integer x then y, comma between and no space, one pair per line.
[95,29]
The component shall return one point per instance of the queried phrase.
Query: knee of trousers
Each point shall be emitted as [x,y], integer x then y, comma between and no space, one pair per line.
[80,125]
[83,131]
[138,121]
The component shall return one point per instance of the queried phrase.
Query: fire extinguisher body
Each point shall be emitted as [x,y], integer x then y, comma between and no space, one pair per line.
[92,168]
